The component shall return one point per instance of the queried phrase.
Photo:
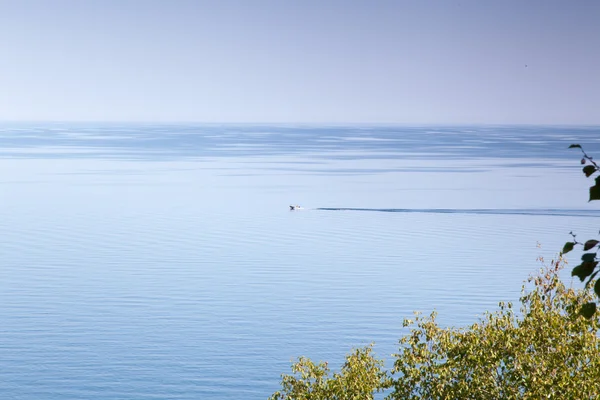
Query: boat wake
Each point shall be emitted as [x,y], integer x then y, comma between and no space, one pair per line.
[483,211]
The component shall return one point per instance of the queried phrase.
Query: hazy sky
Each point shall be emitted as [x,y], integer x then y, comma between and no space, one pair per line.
[318,61]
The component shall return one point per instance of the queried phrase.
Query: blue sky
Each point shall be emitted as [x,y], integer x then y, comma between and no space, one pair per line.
[407,62]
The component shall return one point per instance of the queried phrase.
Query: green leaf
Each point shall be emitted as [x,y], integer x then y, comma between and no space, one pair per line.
[578,273]
[584,270]
[589,170]
[588,257]
[588,310]
[597,288]
[595,192]
[568,247]
[574,146]
[589,244]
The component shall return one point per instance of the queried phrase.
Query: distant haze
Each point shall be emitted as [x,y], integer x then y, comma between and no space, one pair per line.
[285,61]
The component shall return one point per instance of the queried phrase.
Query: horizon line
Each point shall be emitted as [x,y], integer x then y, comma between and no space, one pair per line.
[330,123]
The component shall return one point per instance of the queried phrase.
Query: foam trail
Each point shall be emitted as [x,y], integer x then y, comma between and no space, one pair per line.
[483,211]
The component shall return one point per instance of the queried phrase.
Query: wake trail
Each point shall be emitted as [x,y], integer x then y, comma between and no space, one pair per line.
[482,211]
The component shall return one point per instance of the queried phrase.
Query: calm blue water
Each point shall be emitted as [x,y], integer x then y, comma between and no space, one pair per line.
[161,262]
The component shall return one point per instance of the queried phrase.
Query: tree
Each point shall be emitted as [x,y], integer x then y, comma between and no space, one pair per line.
[589,261]
[361,376]
[544,350]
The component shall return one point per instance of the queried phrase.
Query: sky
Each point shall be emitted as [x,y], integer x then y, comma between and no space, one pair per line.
[301,61]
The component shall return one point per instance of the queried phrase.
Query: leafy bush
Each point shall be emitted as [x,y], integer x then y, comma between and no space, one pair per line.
[544,350]
[361,376]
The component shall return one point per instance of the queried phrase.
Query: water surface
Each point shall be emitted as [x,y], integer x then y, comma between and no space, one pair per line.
[154,262]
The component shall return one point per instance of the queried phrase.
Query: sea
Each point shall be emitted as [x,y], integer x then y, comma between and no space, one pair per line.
[162,261]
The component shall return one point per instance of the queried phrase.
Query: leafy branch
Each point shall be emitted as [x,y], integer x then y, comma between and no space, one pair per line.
[589,170]
[589,261]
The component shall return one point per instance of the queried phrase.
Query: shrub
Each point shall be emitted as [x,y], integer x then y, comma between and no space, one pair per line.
[546,349]
[361,376]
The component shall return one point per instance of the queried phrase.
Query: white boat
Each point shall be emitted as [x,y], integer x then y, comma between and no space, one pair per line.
[295,207]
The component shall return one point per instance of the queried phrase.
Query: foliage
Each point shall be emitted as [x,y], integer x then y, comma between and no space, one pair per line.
[589,261]
[544,351]
[360,377]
